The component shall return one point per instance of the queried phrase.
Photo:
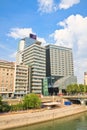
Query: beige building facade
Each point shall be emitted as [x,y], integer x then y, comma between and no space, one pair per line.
[7,71]
[22,80]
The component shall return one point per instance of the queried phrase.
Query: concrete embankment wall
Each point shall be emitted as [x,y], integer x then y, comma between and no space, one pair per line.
[16,120]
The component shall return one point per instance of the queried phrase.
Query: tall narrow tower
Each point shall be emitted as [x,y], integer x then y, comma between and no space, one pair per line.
[21,46]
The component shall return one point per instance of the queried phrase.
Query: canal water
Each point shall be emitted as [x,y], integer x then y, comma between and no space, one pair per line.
[75,122]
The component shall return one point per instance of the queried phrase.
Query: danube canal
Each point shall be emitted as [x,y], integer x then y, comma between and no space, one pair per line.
[75,122]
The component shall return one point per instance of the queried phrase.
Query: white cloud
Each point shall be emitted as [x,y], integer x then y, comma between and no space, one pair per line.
[74,34]
[48,6]
[20,32]
[65,4]
[42,40]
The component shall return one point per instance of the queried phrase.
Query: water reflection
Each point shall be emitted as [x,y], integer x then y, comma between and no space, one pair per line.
[76,122]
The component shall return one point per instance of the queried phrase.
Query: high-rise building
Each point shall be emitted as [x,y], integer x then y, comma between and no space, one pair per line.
[59,61]
[31,53]
[85,78]
[19,51]
[7,71]
[52,61]
[59,67]
[24,43]
[22,80]
[34,55]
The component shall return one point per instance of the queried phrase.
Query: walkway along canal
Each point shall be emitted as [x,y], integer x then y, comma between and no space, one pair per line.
[22,119]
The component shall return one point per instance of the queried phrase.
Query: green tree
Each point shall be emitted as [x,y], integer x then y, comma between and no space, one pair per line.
[85,88]
[69,88]
[73,88]
[82,89]
[31,101]
[76,88]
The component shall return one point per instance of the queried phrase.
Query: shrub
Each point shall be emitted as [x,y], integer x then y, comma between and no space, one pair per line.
[31,101]
[16,107]
[4,107]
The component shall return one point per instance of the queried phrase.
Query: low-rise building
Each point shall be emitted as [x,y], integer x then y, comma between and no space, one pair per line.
[22,80]
[7,70]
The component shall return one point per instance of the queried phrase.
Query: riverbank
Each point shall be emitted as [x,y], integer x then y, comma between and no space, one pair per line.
[12,120]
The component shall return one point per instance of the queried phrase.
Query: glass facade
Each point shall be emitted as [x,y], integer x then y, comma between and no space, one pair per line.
[45,87]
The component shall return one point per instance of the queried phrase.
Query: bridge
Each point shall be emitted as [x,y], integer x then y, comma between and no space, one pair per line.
[77,99]
[80,99]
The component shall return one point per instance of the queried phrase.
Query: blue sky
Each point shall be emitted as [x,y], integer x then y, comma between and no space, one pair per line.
[60,22]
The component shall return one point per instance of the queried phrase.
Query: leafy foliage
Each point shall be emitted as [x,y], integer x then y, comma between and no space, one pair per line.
[4,107]
[75,88]
[0,100]
[31,101]
[16,107]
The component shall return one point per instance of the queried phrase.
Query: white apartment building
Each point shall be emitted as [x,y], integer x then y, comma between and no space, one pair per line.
[35,56]
[22,80]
